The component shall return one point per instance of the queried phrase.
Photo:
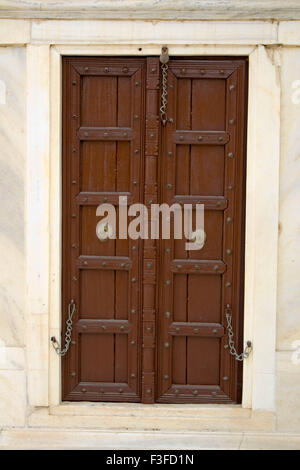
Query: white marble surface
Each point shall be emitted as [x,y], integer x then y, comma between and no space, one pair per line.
[12,164]
[205,9]
[288,316]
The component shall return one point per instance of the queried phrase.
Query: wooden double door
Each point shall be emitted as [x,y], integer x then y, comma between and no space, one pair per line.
[150,324]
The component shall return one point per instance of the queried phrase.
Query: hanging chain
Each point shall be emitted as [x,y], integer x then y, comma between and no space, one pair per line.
[164,59]
[57,347]
[248,348]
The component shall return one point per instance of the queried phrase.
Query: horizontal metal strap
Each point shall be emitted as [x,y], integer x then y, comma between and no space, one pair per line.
[201,137]
[195,266]
[215,330]
[105,133]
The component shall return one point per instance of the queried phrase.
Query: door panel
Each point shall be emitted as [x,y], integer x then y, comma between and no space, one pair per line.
[201,162]
[103,129]
[150,316]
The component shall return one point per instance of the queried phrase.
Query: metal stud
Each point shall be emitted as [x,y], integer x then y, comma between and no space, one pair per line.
[196,330]
[125,69]
[74,82]
[225,346]
[120,390]
[83,390]
[182,70]
[228,284]
[134,248]
[215,331]
[197,266]
[86,263]
[231,121]
[149,265]
[225,378]
[135,183]
[151,136]
[74,182]
[166,377]
[136,116]
[73,216]
[149,328]
[132,342]
[230,187]
[133,279]
[170,153]
[137,83]
[171,86]
[221,71]
[73,342]
[177,392]
[73,149]
[181,137]
[168,282]
[228,251]
[149,390]
[73,374]
[74,116]
[106,69]
[177,329]
[125,134]
[122,327]
[74,245]
[202,71]
[229,219]
[122,265]
[167,314]
[153,70]
[132,375]
[74,278]
[195,392]
[220,138]
[214,393]
[230,155]
[216,267]
[133,310]
[167,345]
[150,201]
[168,250]
[179,266]
[200,137]
[169,186]
[105,134]
[84,327]
[232,87]
[103,327]
[171,120]
[86,69]
[218,203]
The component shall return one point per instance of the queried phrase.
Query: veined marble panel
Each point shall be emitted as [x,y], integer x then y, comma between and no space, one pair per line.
[288,317]
[12,163]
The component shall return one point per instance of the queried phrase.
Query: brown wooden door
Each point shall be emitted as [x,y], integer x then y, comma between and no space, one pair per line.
[150,317]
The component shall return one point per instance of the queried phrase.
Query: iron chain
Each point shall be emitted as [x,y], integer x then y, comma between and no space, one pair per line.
[164,59]
[57,347]
[233,352]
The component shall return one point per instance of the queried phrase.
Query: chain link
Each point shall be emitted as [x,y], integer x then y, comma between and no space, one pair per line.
[248,348]
[57,347]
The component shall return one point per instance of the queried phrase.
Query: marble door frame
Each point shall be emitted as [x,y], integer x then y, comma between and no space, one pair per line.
[43,227]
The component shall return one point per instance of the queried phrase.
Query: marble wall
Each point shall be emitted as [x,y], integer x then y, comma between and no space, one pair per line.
[12,238]
[288,306]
